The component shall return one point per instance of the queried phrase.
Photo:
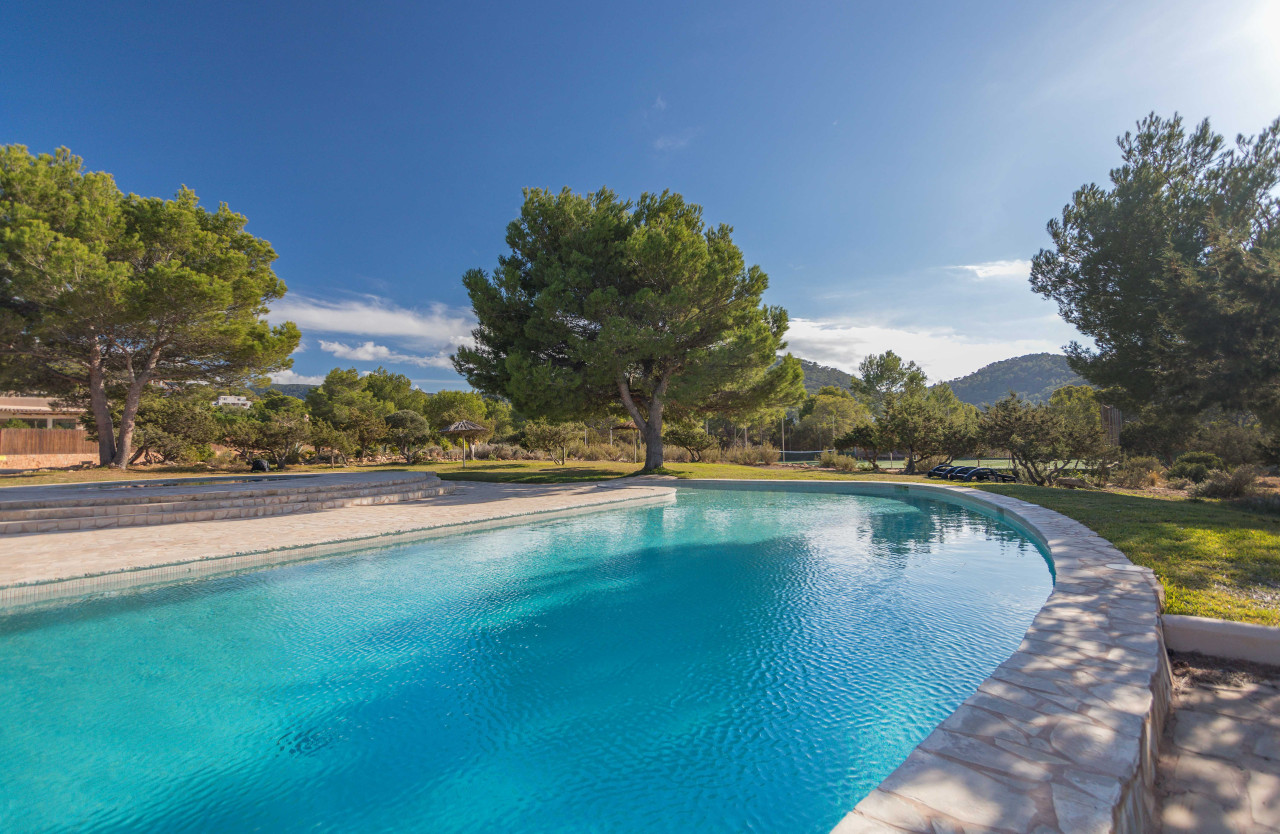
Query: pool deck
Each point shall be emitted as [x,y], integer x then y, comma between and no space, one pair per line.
[45,567]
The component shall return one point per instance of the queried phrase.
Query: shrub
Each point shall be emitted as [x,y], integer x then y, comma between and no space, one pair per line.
[1178,483]
[674,454]
[1196,466]
[752,455]
[1137,472]
[601,451]
[1234,484]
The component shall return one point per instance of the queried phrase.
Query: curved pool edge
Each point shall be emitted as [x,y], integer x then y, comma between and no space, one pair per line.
[1064,735]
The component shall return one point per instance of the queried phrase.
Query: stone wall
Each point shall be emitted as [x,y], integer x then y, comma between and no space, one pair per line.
[45,461]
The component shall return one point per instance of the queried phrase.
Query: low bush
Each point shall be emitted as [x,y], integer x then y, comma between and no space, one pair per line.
[1137,472]
[751,455]
[674,454]
[603,451]
[1196,466]
[1237,483]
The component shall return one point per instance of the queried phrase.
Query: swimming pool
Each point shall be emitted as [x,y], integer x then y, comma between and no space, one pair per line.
[738,660]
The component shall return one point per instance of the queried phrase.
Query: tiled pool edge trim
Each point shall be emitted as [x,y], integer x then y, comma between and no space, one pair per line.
[1064,735]
[32,596]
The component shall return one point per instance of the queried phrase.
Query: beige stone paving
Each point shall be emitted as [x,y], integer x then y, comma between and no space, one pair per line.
[1220,765]
[44,557]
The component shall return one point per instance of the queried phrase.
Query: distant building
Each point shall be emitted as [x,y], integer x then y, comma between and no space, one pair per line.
[231,401]
[38,413]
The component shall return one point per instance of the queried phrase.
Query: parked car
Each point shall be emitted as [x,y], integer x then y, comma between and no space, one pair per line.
[985,473]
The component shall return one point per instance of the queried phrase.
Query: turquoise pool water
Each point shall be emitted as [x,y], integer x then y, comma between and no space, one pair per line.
[737,661]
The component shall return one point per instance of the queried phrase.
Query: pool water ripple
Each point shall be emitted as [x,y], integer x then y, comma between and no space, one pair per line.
[735,661]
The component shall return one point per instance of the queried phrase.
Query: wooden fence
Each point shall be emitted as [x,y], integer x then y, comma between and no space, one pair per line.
[46,442]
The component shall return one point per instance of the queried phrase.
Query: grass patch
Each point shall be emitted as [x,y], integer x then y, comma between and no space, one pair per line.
[1215,560]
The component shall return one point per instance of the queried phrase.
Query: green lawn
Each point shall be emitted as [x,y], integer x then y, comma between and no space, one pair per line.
[1215,560]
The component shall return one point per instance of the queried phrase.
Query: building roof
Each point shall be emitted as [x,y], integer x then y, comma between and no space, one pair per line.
[35,406]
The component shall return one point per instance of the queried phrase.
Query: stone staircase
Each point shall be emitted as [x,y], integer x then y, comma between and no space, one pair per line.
[71,507]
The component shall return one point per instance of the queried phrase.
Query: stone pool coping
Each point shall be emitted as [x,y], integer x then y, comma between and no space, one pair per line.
[1064,735]
[44,569]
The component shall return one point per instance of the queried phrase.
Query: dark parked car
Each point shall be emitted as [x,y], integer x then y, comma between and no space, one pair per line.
[984,473]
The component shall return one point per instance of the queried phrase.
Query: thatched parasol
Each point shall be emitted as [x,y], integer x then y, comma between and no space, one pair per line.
[468,431]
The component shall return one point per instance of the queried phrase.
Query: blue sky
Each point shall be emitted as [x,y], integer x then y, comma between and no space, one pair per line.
[891,166]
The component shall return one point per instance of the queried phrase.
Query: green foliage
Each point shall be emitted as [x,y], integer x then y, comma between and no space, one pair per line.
[826,416]
[1236,437]
[1238,483]
[1159,432]
[1195,466]
[330,442]
[691,437]
[1048,439]
[602,303]
[395,389]
[1030,433]
[1034,377]
[751,455]
[175,426]
[550,437]
[866,438]
[1174,271]
[408,431]
[292,389]
[101,293]
[841,463]
[344,402]
[927,422]
[885,374]
[1083,436]
[275,427]
[445,407]
[1138,472]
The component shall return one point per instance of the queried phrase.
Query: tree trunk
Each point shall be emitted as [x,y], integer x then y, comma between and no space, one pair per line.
[101,410]
[650,428]
[653,445]
[132,398]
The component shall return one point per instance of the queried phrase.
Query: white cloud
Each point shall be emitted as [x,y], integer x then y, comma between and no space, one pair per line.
[660,103]
[437,327]
[1012,270]
[372,352]
[943,352]
[291,378]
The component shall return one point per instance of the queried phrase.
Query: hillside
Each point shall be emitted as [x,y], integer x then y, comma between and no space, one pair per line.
[816,376]
[289,390]
[1034,376]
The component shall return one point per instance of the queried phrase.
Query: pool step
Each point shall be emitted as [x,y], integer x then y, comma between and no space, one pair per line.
[172,504]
